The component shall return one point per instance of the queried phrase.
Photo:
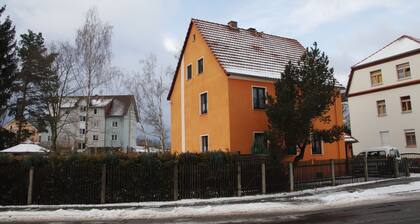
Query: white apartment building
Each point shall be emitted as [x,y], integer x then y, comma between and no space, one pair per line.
[111,121]
[384,97]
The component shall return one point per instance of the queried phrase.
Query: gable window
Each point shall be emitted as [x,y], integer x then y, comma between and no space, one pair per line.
[403,71]
[203,103]
[316,145]
[95,137]
[258,97]
[189,72]
[114,137]
[376,78]
[381,107]
[406,104]
[82,118]
[95,111]
[200,66]
[82,131]
[115,124]
[204,143]
[410,138]
[83,108]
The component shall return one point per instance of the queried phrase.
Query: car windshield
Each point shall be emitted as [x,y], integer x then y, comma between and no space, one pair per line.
[377,154]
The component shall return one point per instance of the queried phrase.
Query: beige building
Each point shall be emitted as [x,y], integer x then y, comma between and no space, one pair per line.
[384,97]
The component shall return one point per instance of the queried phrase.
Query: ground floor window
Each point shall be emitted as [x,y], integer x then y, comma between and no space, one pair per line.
[316,145]
[204,143]
[410,138]
[259,144]
[81,145]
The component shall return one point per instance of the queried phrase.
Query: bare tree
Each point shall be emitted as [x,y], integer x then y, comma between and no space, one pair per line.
[93,51]
[150,88]
[54,98]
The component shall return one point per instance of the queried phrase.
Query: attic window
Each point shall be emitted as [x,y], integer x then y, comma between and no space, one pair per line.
[193,38]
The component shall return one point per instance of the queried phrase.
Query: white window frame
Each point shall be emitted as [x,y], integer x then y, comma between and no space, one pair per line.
[201,142]
[252,96]
[404,67]
[93,137]
[186,75]
[370,76]
[199,103]
[322,148]
[116,137]
[406,101]
[116,122]
[82,131]
[198,59]
[405,137]
[377,108]
[95,110]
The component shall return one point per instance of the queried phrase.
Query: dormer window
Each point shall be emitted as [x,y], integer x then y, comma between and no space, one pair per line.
[403,71]
[376,78]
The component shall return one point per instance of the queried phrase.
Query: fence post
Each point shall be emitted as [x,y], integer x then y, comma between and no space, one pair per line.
[291,178]
[263,183]
[239,187]
[366,168]
[103,184]
[30,185]
[407,168]
[176,180]
[332,172]
[396,168]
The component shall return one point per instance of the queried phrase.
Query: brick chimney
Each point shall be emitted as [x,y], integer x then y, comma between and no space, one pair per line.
[233,24]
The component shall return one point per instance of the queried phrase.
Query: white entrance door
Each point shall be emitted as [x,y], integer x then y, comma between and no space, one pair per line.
[384,135]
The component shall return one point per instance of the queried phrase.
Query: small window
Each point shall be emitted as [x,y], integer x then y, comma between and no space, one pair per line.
[204,143]
[193,38]
[81,145]
[82,131]
[203,103]
[95,137]
[114,137]
[95,111]
[82,118]
[83,108]
[410,138]
[115,124]
[376,78]
[403,71]
[67,111]
[200,65]
[406,104]
[316,144]
[260,143]
[381,107]
[258,97]
[189,72]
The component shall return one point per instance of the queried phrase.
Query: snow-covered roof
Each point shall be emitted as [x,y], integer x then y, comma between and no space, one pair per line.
[399,46]
[25,148]
[69,102]
[100,102]
[348,138]
[247,51]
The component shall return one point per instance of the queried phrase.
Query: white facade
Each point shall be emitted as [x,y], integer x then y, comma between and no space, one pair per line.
[370,126]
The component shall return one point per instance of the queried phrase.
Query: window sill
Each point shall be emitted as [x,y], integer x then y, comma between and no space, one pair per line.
[382,115]
[411,146]
[406,112]
[403,79]
[375,85]
[203,114]
[259,109]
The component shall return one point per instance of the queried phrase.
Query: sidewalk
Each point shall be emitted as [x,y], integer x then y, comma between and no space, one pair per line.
[375,191]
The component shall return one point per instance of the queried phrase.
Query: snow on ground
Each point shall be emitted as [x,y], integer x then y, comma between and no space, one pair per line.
[299,202]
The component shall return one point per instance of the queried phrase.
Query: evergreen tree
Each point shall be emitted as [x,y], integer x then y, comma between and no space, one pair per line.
[8,62]
[35,69]
[304,93]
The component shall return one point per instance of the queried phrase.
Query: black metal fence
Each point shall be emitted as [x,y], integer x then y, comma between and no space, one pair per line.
[313,174]
[164,178]
[413,161]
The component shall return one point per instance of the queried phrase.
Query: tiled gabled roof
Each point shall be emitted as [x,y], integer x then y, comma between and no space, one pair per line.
[245,52]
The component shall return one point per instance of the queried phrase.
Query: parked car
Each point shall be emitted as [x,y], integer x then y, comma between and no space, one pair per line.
[384,152]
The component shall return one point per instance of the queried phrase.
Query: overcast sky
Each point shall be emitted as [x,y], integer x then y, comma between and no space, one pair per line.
[347,31]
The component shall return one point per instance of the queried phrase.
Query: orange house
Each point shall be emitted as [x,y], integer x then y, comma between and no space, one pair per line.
[219,88]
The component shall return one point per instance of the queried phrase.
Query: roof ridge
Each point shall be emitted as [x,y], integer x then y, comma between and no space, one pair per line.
[244,29]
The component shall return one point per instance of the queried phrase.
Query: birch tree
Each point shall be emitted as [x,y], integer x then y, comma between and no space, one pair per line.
[93,52]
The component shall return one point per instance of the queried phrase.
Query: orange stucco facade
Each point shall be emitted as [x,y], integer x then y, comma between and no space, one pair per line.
[231,121]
